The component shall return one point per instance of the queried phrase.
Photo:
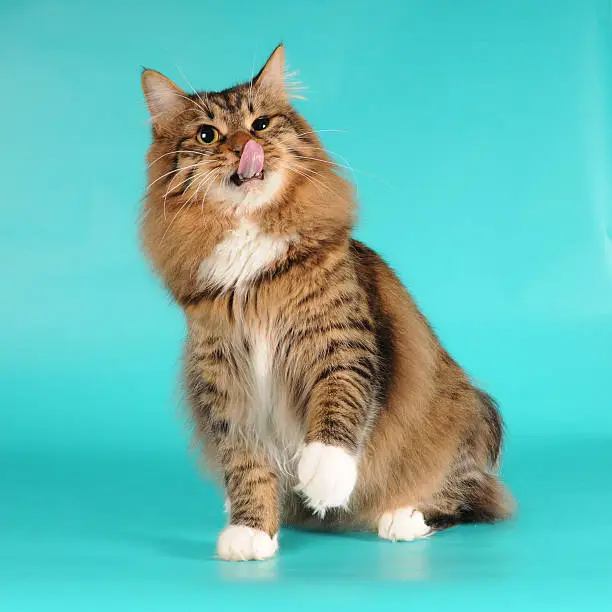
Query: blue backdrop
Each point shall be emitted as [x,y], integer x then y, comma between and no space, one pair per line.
[480,137]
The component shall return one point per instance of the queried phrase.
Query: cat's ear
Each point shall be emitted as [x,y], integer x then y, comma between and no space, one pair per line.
[164,99]
[272,75]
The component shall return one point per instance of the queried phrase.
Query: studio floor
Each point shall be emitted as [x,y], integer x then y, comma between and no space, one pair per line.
[115,531]
[103,507]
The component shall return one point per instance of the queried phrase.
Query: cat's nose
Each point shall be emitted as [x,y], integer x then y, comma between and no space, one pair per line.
[237,141]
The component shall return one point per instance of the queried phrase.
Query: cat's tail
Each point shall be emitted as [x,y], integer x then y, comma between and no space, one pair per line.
[477,498]
[495,427]
[473,493]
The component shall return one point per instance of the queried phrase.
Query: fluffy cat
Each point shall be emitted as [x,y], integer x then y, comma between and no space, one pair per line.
[318,390]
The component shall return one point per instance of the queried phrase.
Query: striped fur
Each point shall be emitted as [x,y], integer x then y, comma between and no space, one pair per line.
[301,339]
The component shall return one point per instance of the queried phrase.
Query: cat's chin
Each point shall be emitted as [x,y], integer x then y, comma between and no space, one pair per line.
[251,194]
[239,180]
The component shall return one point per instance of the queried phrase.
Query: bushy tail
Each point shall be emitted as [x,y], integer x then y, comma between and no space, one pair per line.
[473,493]
[495,426]
[480,498]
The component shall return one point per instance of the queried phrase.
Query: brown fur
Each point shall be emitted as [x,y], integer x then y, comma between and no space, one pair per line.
[354,363]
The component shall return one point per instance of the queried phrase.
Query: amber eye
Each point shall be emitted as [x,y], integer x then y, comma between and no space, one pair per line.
[261,123]
[207,134]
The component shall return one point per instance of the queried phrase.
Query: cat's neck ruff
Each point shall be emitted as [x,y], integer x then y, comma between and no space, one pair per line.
[241,256]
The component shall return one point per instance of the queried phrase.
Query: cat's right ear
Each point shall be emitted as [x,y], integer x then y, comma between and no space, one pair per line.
[164,99]
[272,74]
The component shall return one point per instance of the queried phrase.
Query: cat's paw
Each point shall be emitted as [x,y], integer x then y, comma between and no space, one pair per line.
[327,476]
[403,524]
[242,543]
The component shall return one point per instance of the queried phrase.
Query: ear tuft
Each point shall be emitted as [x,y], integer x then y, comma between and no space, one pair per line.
[164,98]
[273,73]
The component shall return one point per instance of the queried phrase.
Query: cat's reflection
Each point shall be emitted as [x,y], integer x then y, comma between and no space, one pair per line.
[251,571]
[408,561]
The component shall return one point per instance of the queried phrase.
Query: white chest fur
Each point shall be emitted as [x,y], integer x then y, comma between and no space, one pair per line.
[271,414]
[261,366]
[241,256]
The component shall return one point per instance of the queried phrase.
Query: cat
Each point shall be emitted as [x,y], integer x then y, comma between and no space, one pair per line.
[318,391]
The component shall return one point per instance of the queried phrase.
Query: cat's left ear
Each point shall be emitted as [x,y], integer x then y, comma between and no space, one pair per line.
[164,99]
[272,75]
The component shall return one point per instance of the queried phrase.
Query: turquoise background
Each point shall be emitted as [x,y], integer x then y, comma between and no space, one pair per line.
[480,132]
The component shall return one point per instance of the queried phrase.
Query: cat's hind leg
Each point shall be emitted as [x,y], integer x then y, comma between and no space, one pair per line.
[472,497]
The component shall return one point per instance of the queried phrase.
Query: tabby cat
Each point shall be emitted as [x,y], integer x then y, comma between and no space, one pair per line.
[318,390]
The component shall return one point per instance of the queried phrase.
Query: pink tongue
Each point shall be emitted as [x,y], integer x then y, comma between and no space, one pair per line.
[251,160]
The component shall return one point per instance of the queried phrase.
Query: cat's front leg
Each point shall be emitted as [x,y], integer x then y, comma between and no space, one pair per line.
[338,413]
[252,492]
[251,481]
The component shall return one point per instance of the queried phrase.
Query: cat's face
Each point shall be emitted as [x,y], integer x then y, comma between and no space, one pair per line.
[235,150]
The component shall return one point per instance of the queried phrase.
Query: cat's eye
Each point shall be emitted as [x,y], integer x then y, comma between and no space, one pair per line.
[208,134]
[261,123]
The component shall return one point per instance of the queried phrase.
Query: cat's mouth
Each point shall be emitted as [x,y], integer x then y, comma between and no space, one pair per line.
[240,179]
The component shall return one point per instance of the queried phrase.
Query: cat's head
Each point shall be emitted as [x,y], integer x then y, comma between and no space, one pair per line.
[235,150]
[240,155]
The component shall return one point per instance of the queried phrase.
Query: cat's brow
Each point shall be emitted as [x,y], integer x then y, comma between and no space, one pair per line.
[231,100]
[205,107]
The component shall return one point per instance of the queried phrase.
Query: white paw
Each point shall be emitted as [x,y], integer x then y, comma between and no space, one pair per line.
[327,476]
[403,524]
[242,543]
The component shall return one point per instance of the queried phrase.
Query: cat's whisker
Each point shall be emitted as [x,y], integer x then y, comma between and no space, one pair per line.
[335,154]
[326,150]
[202,200]
[302,166]
[323,161]
[184,205]
[331,163]
[292,169]
[315,173]
[179,151]
[175,171]
[210,175]
[311,178]
[321,131]
[204,104]
[341,157]
[193,196]
[293,86]
[256,89]
[318,184]
[172,188]
[250,94]
[168,193]
[210,184]
[346,165]
[171,222]
[193,102]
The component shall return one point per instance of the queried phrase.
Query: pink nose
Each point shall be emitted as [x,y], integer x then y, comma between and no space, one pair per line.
[237,141]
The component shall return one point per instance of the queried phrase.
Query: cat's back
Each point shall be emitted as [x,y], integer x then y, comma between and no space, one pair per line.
[417,373]
[401,327]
